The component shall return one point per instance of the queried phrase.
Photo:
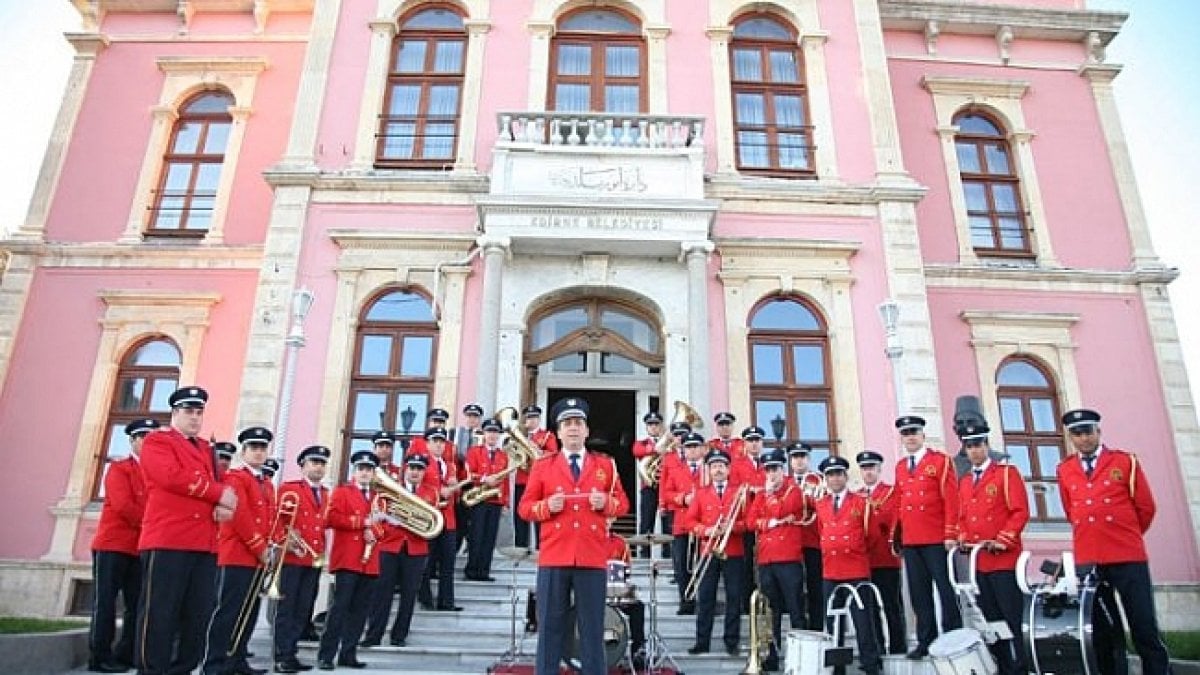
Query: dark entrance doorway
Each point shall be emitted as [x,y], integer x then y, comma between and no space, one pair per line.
[611,431]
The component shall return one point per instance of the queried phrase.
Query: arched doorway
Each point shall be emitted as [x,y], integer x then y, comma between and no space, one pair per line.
[608,351]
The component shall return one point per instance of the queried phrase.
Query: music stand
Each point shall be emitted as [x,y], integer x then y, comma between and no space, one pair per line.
[515,649]
[656,653]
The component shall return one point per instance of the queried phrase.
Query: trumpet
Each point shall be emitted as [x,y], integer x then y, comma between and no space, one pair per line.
[714,544]
[650,467]
[404,509]
[815,491]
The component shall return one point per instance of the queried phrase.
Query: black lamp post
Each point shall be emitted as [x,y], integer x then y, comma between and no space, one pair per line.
[778,427]
[407,417]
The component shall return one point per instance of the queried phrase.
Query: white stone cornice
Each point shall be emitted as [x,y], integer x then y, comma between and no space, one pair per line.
[543,29]
[477,26]
[812,192]
[1032,278]
[88,44]
[378,240]
[719,33]
[656,32]
[211,64]
[1024,319]
[953,16]
[1100,73]
[385,26]
[114,299]
[140,256]
[975,86]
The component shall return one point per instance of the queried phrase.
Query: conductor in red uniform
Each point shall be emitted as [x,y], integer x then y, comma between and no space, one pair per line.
[1108,502]
[115,565]
[928,524]
[301,572]
[185,500]
[572,493]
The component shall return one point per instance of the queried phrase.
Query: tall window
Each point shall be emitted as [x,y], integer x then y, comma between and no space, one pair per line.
[147,376]
[187,191]
[991,187]
[770,99]
[789,374]
[419,126]
[1033,438]
[598,63]
[394,359]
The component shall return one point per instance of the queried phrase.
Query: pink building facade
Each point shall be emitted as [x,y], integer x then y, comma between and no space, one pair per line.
[815,213]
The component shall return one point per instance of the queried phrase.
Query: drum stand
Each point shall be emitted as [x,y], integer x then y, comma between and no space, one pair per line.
[656,653]
[514,652]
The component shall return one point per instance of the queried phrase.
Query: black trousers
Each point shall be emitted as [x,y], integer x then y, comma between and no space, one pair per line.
[179,591]
[114,573]
[864,622]
[635,614]
[412,568]
[441,560]
[647,512]
[346,617]
[783,584]
[556,586]
[381,597]
[733,571]
[1001,599]
[234,590]
[1132,581]
[520,525]
[926,566]
[299,585]
[485,521]
[749,543]
[462,518]
[680,565]
[814,590]
[887,580]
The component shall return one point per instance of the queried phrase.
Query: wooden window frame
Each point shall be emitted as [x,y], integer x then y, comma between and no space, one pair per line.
[596,78]
[1030,438]
[989,180]
[769,90]
[427,79]
[196,161]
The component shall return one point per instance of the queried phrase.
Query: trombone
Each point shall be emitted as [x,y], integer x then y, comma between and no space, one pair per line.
[714,544]
[265,582]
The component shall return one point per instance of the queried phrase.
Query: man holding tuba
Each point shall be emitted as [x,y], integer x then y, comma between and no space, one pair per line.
[301,573]
[388,549]
[643,451]
[546,443]
[486,464]
[245,546]
[446,478]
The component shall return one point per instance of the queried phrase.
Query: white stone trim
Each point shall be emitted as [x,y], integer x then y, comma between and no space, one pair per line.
[130,315]
[1002,97]
[182,77]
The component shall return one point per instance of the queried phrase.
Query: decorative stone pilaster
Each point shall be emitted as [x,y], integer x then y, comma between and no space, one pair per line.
[539,63]
[464,157]
[302,142]
[656,68]
[881,109]
[495,251]
[695,254]
[718,42]
[379,55]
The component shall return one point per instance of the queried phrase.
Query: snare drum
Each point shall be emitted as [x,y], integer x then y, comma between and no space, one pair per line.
[617,576]
[961,651]
[804,652]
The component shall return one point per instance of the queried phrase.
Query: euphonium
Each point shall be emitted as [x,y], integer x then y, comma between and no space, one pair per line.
[761,632]
[521,452]
[412,513]
[650,467]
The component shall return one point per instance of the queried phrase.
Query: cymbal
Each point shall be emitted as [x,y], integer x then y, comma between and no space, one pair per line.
[517,553]
[649,539]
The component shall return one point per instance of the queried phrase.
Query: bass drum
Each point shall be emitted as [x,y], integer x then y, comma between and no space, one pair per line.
[616,639]
[1059,632]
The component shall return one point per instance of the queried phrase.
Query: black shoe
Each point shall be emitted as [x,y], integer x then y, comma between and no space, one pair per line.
[697,649]
[247,669]
[427,606]
[397,643]
[686,610]
[732,650]
[771,665]
[351,664]
[488,578]
[449,608]
[287,666]
[920,652]
[107,667]
[325,665]
[370,642]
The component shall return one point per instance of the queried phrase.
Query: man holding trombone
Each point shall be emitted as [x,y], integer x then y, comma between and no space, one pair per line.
[245,549]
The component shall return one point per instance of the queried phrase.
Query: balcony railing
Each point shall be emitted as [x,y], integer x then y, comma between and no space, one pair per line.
[604,130]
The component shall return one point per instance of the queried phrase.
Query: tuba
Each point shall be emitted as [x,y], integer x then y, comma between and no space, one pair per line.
[521,452]
[650,467]
[408,510]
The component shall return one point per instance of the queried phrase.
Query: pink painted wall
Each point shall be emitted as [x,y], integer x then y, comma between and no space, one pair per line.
[50,371]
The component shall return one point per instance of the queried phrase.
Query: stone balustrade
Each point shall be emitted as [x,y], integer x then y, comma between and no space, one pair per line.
[635,131]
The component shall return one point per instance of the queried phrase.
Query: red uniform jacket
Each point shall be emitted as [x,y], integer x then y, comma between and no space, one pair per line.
[671,462]
[846,537]
[673,491]
[1110,512]
[393,536]
[124,503]
[309,523]
[995,509]
[480,467]
[780,543]
[928,500]
[736,447]
[811,534]
[348,515]
[707,507]
[645,447]
[575,536]
[242,540]
[547,444]
[618,549]
[885,507]
[745,470]
[444,473]
[182,488]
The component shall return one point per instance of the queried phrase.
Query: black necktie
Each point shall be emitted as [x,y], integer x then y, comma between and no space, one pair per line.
[721,491]
[837,503]
[1089,462]
[316,494]
[978,474]
[694,467]
[912,464]
[575,468]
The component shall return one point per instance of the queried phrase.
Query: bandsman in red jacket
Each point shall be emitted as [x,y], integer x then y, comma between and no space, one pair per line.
[446,478]
[185,500]
[246,546]
[412,554]
[718,502]
[812,484]
[225,452]
[928,527]
[436,418]
[485,463]
[546,443]
[993,510]
[748,470]
[1108,501]
[115,564]
[388,549]
[775,516]
[572,494]
[647,446]
[681,479]
[847,533]
[885,563]
[725,439]
[304,555]
[356,516]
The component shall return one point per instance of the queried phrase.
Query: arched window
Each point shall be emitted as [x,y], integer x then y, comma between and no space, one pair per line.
[419,125]
[595,336]
[394,357]
[770,98]
[187,189]
[1033,439]
[146,377]
[991,187]
[789,374]
[598,63]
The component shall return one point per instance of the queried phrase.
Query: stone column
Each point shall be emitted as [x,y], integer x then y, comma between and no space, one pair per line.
[495,250]
[302,142]
[718,42]
[696,254]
